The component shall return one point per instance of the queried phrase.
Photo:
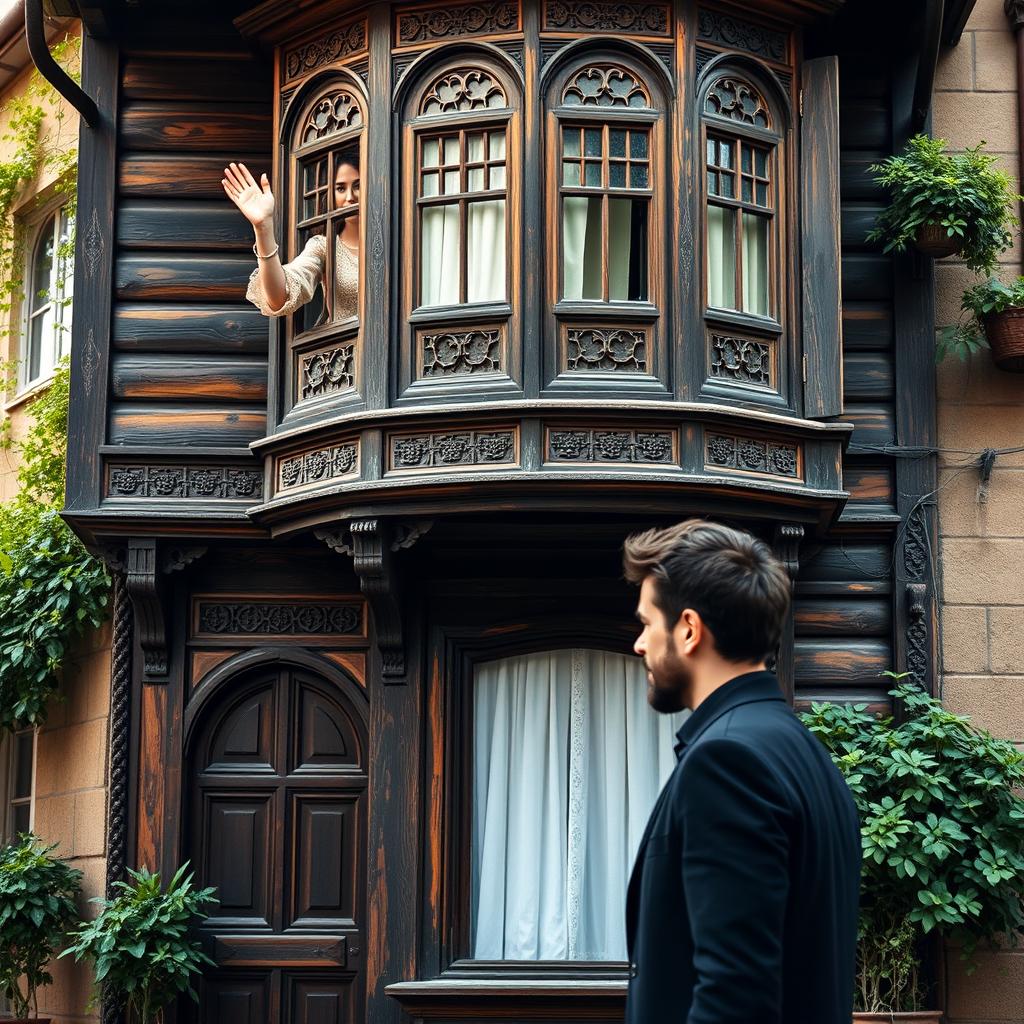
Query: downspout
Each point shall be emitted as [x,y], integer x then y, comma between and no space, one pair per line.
[927,62]
[1015,12]
[35,36]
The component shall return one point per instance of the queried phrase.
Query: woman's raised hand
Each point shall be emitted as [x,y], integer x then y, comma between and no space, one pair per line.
[253,198]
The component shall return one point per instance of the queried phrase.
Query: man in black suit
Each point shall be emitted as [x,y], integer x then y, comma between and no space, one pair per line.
[742,906]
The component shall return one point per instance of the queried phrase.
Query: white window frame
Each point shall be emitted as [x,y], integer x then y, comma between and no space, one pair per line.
[8,773]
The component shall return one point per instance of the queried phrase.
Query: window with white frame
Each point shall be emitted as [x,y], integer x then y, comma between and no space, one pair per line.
[17,761]
[49,285]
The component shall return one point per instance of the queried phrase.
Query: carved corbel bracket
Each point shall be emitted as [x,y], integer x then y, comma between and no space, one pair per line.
[788,537]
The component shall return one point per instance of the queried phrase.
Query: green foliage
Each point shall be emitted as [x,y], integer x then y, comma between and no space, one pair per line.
[140,944]
[968,334]
[962,192]
[942,828]
[37,894]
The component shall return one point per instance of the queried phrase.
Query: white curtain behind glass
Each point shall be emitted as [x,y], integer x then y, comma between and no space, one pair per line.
[755,264]
[439,255]
[485,269]
[568,761]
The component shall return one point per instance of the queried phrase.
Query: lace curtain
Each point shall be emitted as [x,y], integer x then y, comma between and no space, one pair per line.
[568,761]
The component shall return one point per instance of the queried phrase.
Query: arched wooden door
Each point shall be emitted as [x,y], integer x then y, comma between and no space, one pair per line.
[278,825]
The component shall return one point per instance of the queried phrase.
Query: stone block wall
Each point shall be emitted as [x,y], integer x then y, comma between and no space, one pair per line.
[981,535]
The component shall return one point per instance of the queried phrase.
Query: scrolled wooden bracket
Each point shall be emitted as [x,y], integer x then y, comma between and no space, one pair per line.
[788,537]
[786,546]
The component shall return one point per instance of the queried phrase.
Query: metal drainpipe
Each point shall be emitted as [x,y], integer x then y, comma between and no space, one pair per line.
[35,35]
[1015,12]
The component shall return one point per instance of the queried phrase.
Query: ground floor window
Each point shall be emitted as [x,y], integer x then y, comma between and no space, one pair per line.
[17,761]
[568,759]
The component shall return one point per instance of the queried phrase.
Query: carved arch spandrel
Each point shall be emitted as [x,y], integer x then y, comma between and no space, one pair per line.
[463,90]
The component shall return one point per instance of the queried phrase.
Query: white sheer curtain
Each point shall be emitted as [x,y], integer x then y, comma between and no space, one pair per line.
[485,268]
[721,257]
[755,264]
[568,762]
[581,248]
[439,255]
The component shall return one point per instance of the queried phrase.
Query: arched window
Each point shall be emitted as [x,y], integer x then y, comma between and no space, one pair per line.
[48,297]
[742,228]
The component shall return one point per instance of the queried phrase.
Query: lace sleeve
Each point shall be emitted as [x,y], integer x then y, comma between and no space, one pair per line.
[302,276]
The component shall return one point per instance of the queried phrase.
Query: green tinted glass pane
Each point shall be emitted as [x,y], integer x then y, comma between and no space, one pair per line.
[728,186]
[712,183]
[638,176]
[748,191]
[638,145]
[592,141]
[762,194]
[725,154]
[616,142]
[712,152]
[571,142]
[570,173]
[747,160]
[617,175]
[592,175]
[761,163]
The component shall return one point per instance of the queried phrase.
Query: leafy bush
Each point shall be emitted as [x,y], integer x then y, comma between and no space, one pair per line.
[962,192]
[968,334]
[139,942]
[37,894]
[942,826]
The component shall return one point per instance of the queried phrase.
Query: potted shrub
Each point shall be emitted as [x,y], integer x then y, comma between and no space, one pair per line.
[37,905]
[945,203]
[993,314]
[942,824]
[144,957]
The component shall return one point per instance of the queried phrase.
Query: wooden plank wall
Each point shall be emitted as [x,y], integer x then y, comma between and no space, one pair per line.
[189,354]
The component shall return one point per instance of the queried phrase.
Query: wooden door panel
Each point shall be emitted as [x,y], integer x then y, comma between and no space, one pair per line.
[327,841]
[244,739]
[326,737]
[237,855]
[235,999]
[321,1000]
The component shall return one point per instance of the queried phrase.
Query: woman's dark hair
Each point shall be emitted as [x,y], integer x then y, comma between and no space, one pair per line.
[349,155]
[730,578]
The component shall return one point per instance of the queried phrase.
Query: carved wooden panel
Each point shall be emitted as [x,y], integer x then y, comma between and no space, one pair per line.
[463,90]
[331,114]
[221,617]
[605,85]
[752,455]
[450,449]
[327,739]
[326,843]
[235,999]
[244,738]
[318,466]
[236,856]
[463,351]
[202,482]
[603,445]
[455,21]
[738,34]
[617,349]
[744,360]
[737,100]
[640,19]
[326,370]
[331,47]
[326,1000]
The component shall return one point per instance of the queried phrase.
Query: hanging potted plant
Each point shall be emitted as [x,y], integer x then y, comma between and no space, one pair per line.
[37,906]
[140,944]
[942,827]
[945,203]
[993,314]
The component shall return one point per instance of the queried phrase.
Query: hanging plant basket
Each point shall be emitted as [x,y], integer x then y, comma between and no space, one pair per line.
[1005,333]
[915,1017]
[932,240]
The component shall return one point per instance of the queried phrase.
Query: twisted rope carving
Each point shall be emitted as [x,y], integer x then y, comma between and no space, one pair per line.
[117,797]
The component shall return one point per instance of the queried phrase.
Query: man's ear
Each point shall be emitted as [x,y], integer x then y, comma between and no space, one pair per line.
[689,631]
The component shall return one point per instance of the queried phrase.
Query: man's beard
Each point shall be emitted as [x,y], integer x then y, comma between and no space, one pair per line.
[670,689]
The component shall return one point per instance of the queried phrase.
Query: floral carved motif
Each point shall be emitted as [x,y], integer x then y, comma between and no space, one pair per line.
[594,348]
[737,34]
[605,85]
[278,618]
[461,448]
[627,446]
[327,49]
[741,360]
[318,466]
[331,114]
[445,355]
[587,15]
[327,371]
[466,89]
[752,455]
[210,482]
[739,101]
[451,22]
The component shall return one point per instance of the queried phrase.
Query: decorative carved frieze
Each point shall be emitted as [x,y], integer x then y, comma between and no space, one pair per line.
[326,371]
[599,348]
[336,112]
[447,449]
[647,447]
[752,455]
[318,466]
[605,85]
[456,352]
[741,359]
[455,21]
[739,101]
[333,46]
[462,90]
[596,16]
[197,482]
[737,34]
[218,618]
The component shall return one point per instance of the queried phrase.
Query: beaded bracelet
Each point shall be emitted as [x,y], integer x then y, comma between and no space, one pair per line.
[269,255]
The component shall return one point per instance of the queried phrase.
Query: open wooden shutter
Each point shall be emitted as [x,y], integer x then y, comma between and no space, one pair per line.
[820,253]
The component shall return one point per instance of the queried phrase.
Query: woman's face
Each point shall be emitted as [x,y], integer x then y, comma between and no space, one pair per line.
[346,186]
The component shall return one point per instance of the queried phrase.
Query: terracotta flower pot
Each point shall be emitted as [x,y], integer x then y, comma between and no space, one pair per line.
[932,240]
[917,1017]
[1005,333]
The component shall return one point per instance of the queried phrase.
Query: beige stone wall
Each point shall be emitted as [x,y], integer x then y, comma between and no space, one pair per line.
[982,541]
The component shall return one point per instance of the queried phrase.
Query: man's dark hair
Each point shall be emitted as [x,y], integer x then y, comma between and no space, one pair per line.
[728,577]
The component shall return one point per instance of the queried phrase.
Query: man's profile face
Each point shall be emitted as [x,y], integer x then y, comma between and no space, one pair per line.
[668,679]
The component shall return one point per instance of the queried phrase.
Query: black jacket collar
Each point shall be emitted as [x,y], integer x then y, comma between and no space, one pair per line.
[744,689]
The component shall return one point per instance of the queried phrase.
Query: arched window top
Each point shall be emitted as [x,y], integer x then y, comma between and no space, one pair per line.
[333,112]
[461,91]
[606,85]
[735,99]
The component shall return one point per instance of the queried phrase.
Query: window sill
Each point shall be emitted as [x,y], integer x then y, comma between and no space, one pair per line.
[29,392]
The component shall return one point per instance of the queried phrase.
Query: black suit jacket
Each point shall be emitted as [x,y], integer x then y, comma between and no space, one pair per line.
[742,905]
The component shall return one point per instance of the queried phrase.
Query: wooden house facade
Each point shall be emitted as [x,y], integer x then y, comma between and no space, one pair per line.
[613,273]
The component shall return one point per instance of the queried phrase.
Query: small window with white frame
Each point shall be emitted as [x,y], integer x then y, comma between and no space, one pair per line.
[17,769]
